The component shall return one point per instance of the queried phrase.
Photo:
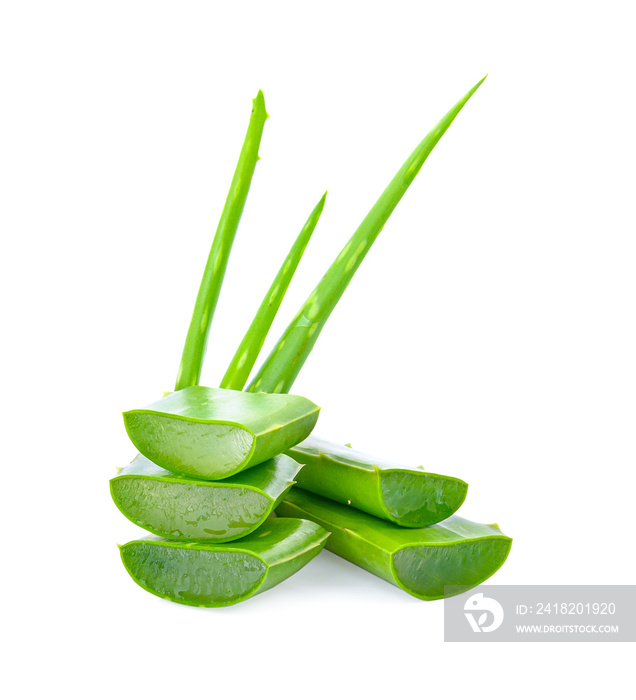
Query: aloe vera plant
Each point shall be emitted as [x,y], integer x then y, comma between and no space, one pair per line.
[424,562]
[404,495]
[215,575]
[184,508]
[215,433]
[212,434]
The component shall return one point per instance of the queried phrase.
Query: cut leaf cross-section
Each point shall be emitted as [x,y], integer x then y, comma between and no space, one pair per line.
[215,575]
[215,433]
[185,508]
[424,562]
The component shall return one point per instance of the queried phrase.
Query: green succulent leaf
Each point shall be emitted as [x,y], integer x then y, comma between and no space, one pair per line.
[186,508]
[216,575]
[407,496]
[215,433]
[424,561]
[243,361]
[214,273]
[280,369]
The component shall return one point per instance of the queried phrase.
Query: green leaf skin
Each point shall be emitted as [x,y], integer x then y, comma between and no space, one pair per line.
[183,508]
[216,575]
[215,433]
[280,369]
[205,305]
[410,497]
[249,348]
[421,561]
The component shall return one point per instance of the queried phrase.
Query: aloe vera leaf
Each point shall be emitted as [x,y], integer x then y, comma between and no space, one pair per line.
[410,497]
[421,561]
[205,305]
[249,348]
[280,369]
[215,433]
[215,575]
[183,508]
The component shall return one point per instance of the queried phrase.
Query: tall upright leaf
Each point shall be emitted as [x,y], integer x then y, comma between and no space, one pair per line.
[247,352]
[280,369]
[197,338]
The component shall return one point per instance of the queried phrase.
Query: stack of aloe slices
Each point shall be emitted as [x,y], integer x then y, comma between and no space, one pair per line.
[216,464]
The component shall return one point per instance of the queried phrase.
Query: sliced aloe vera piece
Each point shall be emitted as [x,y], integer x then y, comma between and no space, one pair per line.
[214,575]
[215,433]
[421,561]
[408,496]
[183,508]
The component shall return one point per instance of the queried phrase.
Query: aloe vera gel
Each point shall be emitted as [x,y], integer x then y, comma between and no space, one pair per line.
[407,496]
[421,561]
[185,508]
[215,433]
[215,575]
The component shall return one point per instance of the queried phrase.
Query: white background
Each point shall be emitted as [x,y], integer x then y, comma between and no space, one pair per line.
[489,333]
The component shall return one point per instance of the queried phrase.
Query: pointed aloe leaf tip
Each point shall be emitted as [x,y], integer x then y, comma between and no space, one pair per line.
[258,103]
